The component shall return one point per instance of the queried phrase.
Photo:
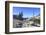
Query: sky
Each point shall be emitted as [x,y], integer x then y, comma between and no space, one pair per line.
[27,11]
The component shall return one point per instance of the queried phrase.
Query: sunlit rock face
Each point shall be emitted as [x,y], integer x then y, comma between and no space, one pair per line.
[26,23]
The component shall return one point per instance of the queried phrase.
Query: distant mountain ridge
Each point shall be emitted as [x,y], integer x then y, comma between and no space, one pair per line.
[16,17]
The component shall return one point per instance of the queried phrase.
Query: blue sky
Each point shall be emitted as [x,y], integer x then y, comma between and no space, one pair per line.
[27,11]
